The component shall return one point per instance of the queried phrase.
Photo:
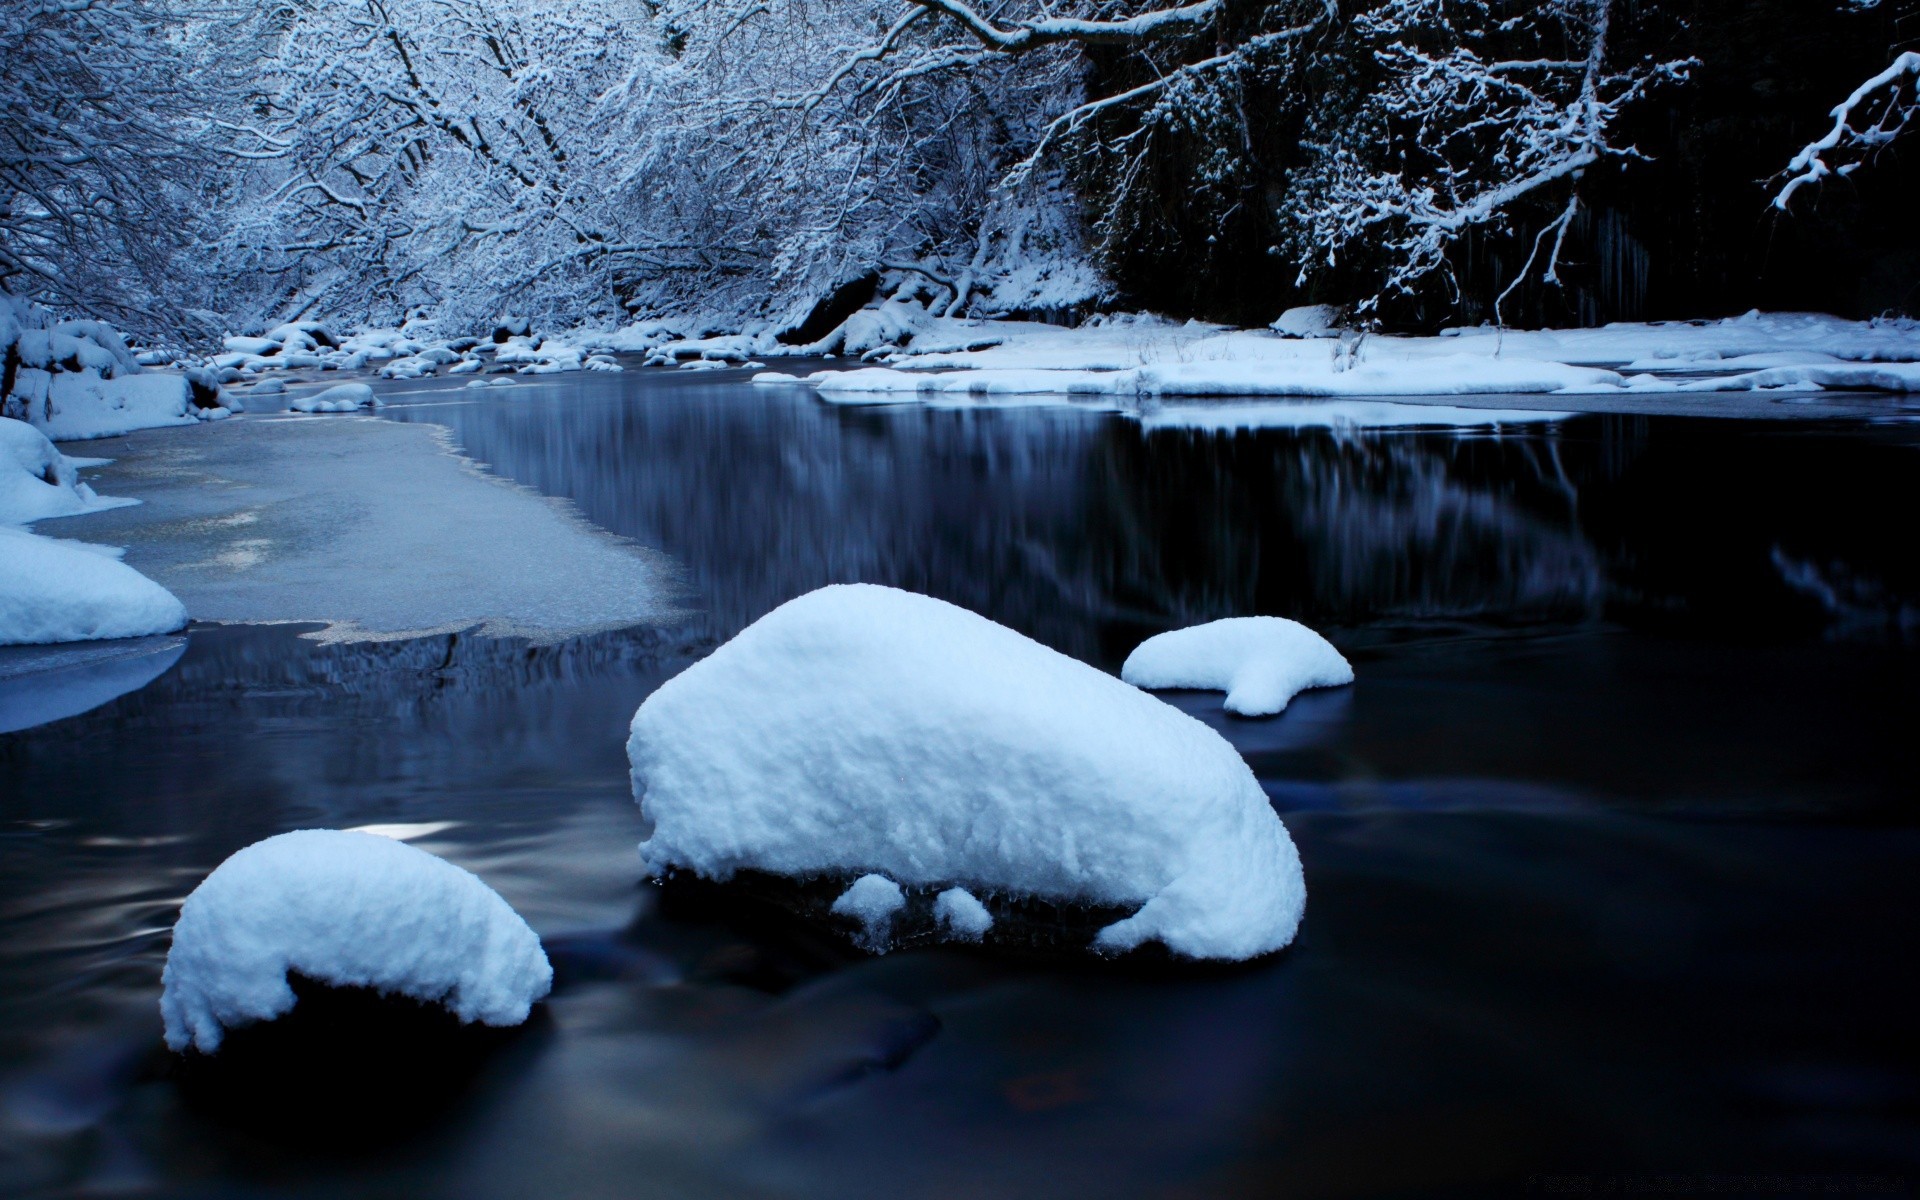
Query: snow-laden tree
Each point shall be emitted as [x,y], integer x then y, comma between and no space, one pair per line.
[1485,115]
[488,155]
[107,151]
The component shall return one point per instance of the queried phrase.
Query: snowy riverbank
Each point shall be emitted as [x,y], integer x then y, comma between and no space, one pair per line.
[898,350]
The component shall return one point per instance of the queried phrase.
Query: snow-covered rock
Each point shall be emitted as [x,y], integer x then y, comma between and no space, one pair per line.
[961,915]
[38,482]
[351,910]
[859,729]
[1260,662]
[76,405]
[52,590]
[872,900]
[1309,321]
[341,397]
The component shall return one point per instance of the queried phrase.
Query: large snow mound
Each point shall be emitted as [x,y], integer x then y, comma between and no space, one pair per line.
[1260,662]
[38,482]
[59,591]
[352,910]
[859,729]
[76,405]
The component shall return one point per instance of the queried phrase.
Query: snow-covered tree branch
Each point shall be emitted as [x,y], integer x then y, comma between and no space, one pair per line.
[1874,114]
[105,151]
[1483,108]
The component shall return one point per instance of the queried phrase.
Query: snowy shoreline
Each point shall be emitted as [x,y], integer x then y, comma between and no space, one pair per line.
[899,351]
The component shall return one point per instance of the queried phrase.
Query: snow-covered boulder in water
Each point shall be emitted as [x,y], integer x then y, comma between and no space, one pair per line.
[1260,662]
[860,729]
[351,910]
[341,397]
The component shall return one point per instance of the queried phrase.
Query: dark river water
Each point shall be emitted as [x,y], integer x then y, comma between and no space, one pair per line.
[1612,853]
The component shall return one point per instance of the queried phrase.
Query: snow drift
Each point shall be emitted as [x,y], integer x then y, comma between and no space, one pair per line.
[1260,662]
[864,730]
[352,910]
[38,482]
[52,590]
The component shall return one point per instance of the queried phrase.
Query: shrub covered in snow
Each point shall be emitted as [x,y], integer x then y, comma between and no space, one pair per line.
[860,729]
[1260,662]
[351,910]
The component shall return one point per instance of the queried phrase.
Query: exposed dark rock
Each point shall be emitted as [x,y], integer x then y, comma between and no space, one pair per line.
[845,300]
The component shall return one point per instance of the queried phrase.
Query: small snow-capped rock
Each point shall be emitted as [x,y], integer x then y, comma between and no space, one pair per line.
[961,915]
[351,910]
[1262,663]
[341,397]
[872,900]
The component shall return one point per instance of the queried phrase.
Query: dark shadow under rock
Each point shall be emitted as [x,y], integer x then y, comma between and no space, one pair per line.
[796,934]
[347,1069]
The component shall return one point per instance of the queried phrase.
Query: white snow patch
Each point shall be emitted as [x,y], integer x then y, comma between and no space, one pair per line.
[352,910]
[1335,414]
[341,397]
[52,590]
[1308,321]
[872,900]
[1260,662]
[76,405]
[964,918]
[862,729]
[941,359]
[38,482]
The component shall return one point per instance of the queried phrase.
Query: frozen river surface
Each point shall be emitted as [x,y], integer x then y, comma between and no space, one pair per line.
[1611,849]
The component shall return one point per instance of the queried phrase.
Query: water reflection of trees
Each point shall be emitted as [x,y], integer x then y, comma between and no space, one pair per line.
[1341,528]
[1076,527]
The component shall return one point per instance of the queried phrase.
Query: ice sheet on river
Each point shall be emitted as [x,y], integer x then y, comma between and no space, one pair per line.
[376,528]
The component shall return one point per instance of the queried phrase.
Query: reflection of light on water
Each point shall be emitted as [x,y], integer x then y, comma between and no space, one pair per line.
[248,552]
[405,831]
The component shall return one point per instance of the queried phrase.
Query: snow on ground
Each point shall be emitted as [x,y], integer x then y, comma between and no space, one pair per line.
[38,482]
[78,406]
[376,528]
[412,352]
[1333,414]
[1260,662]
[53,590]
[865,730]
[1139,360]
[77,379]
[352,910]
